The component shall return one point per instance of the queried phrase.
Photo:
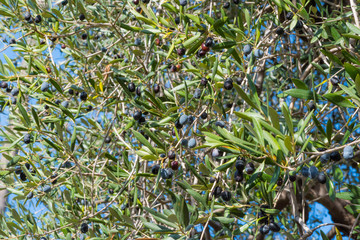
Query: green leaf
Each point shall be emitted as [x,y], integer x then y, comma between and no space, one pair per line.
[225,166]
[353,28]
[6,12]
[197,197]
[259,131]
[351,70]
[329,130]
[193,170]
[274,118]
[196,19]
[40,65]
[224,220]
[10,64]
[274,179]
[143,140]
[24,114]
[56,85]
[323,235]
[357,84]
[331,190]
[171,49]
[288,118]
[337,173]
[182,211]
[224,45]
[73,140]
[332,57]
[299,84]
[338,100]
[244,227]
[345,195]
[35,116]
[318,67]
[191,41]
[157,228]
[160,217]
[244,96]
[298,93]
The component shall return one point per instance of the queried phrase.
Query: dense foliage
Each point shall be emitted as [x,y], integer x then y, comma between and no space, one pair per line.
[179,119]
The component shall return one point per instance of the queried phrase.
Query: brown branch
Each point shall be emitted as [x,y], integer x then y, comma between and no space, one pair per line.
[336,208]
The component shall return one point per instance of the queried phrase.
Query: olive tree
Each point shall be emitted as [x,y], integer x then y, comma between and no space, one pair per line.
[179,119]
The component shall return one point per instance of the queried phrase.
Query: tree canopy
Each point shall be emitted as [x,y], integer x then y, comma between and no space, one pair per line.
[179,119]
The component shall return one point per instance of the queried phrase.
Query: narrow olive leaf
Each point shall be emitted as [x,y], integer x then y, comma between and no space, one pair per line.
[332,57]
[271,210]
[330,189]
[171,49]
[36,117]
[298,93]
[56,85]
[156,101]
[53,145]
[170,7]
[225,166]
[274,118]
[73,139]
[323,235]
[16,216]
[163,219]
[318,67]
[351,70]
[214,69]
[349,57]
[184,185]
[337,173]
[345,195]
[40,65]
[143,140]
[155,138]
[196,19]
[67,112]
[244,96]
[157,228]
[209,19]
[244,227]
[329,130]
[197,197]
[223,45]
[6,12]
[274,179]
[14,191]
[24,114]
[299,84]
[305,123]
[357,84]
[193,170]
[188,43]
[255,178]
[225,220]
[195,46]
[338,100]
[338,234]
[288,119]
[355,190]
[181,210]
[353,28]
[259,131]
[10,64]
